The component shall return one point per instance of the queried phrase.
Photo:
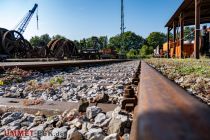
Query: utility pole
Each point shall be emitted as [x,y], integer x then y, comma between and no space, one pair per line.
[122,28]
[122,17]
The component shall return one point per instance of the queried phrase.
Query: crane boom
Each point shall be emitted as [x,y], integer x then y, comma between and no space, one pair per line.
[24,23]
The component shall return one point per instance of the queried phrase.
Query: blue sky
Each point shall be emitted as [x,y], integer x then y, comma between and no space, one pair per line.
[78,19]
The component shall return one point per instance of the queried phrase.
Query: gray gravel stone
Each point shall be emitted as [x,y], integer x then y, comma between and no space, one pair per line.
[100,118]
[114,136]
[92,111]
[60,132]
[92,132]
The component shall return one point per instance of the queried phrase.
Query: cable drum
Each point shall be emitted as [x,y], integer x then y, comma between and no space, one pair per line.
[60,48]
[2,31]
[14,44]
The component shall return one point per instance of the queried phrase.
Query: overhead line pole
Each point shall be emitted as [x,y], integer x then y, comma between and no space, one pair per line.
[122,28]
[122,17]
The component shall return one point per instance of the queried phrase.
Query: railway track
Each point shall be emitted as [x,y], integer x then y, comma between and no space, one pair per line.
[55,64]
[166,111]
[109,79]
[161,109]
[31,60]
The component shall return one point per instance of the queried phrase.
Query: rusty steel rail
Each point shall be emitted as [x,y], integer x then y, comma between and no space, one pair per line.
[56,64]
[30,60]
[165,111]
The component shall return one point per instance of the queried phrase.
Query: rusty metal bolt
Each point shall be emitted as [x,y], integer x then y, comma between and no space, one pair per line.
[136,76]
[135,81]
[129,107]
[137,73]
[129,92]
[128,87]
[129,101]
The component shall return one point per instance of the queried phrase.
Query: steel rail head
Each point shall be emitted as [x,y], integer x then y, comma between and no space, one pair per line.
[166,111]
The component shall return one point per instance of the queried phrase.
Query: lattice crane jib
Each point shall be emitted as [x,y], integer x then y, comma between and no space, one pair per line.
[24,23]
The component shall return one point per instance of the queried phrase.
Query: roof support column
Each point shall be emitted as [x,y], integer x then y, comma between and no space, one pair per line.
[174,41]
[181,20]
[197,29]
[168,41]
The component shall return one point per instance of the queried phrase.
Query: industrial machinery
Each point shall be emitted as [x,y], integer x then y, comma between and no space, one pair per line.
[60,48]
[12,42]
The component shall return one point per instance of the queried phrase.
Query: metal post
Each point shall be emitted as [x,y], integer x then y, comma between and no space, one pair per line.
[122,17]
[122,26]
[168,40]
[174,26]
[197,29]
[181,35]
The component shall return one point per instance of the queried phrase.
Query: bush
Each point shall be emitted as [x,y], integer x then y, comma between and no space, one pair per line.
[132,54]
[146,51]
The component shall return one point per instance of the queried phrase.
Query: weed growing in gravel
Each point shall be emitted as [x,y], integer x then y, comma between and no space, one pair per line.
[1,83]
[56,80]
[184,66]
[15,75]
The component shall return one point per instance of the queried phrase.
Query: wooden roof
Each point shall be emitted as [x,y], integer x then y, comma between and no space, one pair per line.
[187,8]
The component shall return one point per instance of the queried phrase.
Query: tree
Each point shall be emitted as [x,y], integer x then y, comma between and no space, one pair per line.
[132,54]
[114,42]
[77,44]
[93,42]
[58,37]
[83,43]
[45,38]
[145,51]
[40,41]
[35,41]
[127,40]
[103,41]
[156,38]
[189,34]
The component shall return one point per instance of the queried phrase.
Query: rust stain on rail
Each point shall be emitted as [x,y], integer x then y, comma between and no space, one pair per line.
[165,111]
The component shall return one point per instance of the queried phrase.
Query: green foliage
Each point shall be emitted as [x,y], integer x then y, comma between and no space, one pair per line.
[145,51]
[95,42]
[1,83]
[156,38]
[58,37]
[103,41]
[132,54]
[117,50]
[92,42]
[183,66]
[40,40]
[83,43]
[77,44]
[45,38]
[129,40]
[189,34]
[115,42]
[196,69]
[35,41]
[56,80]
